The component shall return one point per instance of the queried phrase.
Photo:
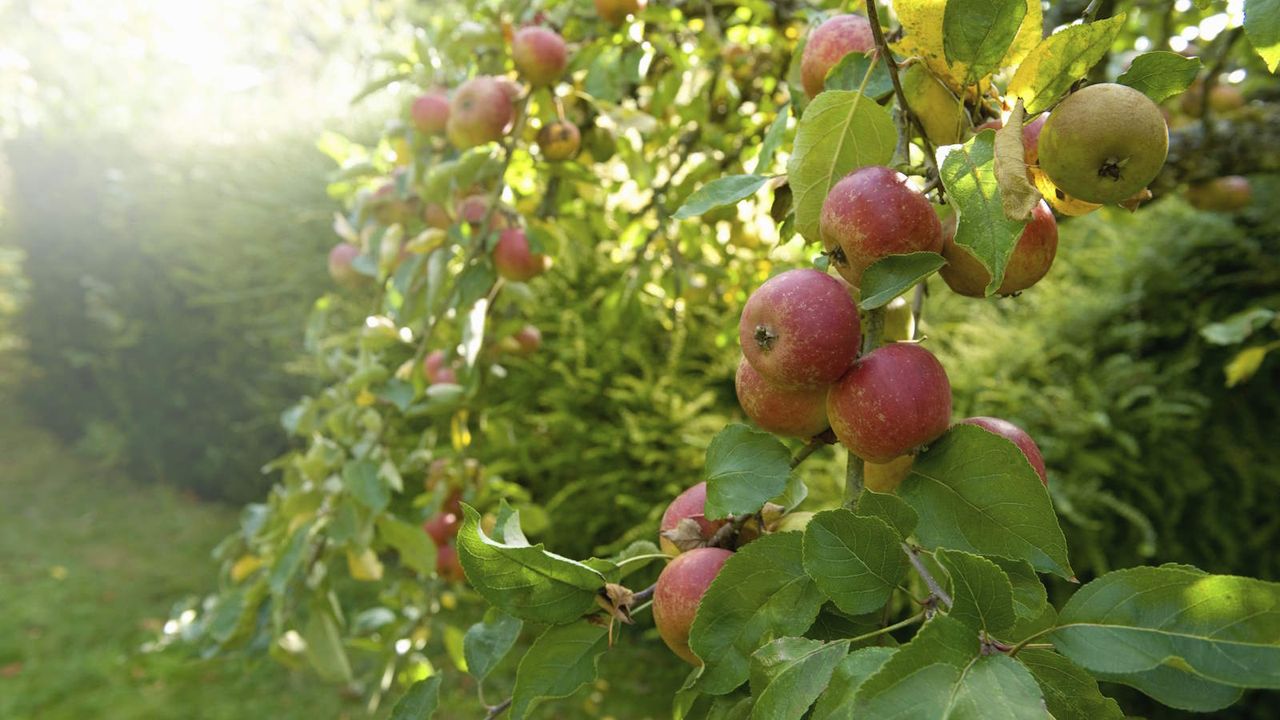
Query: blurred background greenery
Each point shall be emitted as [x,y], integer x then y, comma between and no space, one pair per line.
[162,238]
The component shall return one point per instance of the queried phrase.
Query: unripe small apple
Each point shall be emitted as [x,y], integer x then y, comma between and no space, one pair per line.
[559,140]
[435,216]
[680,588]
[615,11]
[872,213]
[430,112]
[886,477]
[341,270]
[480,112]
[791,412]
[690,504]
[513,258]
[1017,436]
[943,115]
[1223,194]
[800,329]
[442,527]
[540,55]
[893,400]
[899,322]
[473,209]
[1222,98]
[528,339]
[1031,259]
[447,564]
[828,44]
[794,522]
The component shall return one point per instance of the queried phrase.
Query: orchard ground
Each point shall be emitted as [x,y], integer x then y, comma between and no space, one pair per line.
[92,564]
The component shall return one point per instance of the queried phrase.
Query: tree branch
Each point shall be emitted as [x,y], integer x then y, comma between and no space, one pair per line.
[933,585]
[882,48]
[496,710]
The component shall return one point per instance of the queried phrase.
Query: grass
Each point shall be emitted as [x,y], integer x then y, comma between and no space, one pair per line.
[90,565]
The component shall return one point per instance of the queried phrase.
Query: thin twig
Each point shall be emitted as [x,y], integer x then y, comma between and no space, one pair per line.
[644,595]
[498,709]
[853,480]
[934,587]
[806,451]
[882,48]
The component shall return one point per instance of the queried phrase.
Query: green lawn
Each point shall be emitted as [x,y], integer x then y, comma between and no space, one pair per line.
[89,567]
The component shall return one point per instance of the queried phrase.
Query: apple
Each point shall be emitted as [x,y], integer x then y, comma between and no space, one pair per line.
[442,526]
[794,522]
[1104,143]
[1031,259]
[893,400]
[540,55]
[680,588]
[1017,436]
[615,11]
[800,329]
[872,213]
[559,140]
[689,504]
[480,112]
[341,270]
[791,412]
[943,115]
[447,564]
[828,44]
[430,112]
[435,216]
[436,371]
[886,477]
[529,339]
[513,259]
[899,322]
[1223,194]
[473,209]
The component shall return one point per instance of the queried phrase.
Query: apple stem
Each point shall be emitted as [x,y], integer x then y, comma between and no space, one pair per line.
[498,709]
[852,480]
[875,330]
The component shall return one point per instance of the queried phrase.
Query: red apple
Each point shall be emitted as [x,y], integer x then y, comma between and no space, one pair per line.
[1031,139]
[893,400]
[830,42]
[528,339]
[559,140]
[790,412]
[800,329]
[540,55]
[340,267]
[447,564]
[436,370]
[430,112]
[480,113]
[872,213]
[615,11]
[1017,436]
[680,588]
[442,526]
[514,260]
[689,504]
[473,209]
[1031,259]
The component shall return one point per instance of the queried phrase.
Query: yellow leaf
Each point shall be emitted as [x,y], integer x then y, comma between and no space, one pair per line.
[1060,60]
[1017,195]
[459,433]
[364,565]
[366,398]
[1245,364]
[922,22]
[244,567]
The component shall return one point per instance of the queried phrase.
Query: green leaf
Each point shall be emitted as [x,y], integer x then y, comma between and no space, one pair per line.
[772,139]
[836,702]
[378,84]
[788,674]
[850,71]
[525,581]
[1262,27]
[1178,688]
[761,592]
[419,703]
[1161,74]
[831,624]
[415,546]
[916,681]
[1060,60]
[981,594]
[324,647]
[1070,693]
[290,560]
[1220,628]
[1237,328]
[728,190]
[361,479]
[745,469]
[892,275]
[559,662]
[889,508]
[978,33]
[840,132]
[969,175]
[856,561]
[994,687]
[488,642]
[1029,595]
[975,491]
